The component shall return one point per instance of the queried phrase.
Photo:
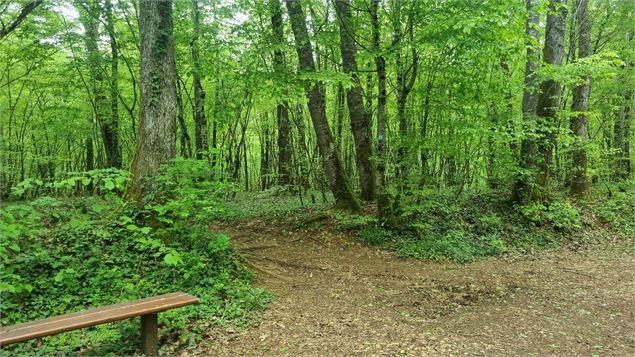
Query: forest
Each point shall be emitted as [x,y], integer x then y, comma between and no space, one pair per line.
[325,177]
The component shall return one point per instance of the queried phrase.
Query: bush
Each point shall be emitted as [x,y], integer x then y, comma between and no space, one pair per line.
[59,256]
[440,226]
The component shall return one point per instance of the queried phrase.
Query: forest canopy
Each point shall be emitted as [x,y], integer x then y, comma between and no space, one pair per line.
[410,93]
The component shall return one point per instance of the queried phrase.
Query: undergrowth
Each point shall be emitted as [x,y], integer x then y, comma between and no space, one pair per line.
[61,255]
[439,226]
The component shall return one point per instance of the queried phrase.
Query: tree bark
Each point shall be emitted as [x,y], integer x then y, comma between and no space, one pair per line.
[201,141]
[622,139]
[380,64]
[331,159]
[26,10]
[406,77]
[523,189]
[282,109]
[579,122]
[89,16]
[113,152]
[360,118]
[550,90]
[156,136]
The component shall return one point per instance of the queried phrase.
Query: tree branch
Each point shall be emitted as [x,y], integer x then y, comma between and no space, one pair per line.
[26,10]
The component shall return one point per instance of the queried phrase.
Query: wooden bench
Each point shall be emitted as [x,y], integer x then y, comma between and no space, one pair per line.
[146,308]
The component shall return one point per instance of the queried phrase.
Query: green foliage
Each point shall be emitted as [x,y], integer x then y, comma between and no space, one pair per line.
[442,226]
[374,235]
[347,222]
[59,256]
[618,210]
[561,215]
[94,182]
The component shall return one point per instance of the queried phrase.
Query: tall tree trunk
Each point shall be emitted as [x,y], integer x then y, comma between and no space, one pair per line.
[579,122]
[113,152]
[89,15]
[282,110]
[406,77]
[156,136]
[380,64]
[524,187]
[622,138]
[550,90]
[331,159]
[361,119]
[185,142]
[201,141]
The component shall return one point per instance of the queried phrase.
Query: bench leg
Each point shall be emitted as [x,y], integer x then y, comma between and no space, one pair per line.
[149,335]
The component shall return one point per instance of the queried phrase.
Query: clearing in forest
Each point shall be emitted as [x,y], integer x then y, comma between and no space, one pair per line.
[336,296]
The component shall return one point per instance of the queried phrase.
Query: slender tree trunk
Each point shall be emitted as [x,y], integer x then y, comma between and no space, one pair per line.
[361,119]
[622,139]
[185,142]
[89,15]
[156,136]
[282,110]
[550,90]
[113,152]
[579,122]
[201,141]
[380,64]
[405,79]
[337,178]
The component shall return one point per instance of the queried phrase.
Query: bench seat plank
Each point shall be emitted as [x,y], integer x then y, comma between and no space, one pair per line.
[92,317]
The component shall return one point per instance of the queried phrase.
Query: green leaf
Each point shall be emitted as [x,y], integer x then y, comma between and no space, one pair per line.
[109,185]
[172,259]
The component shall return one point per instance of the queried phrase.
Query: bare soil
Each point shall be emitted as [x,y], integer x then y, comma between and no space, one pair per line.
[336,297]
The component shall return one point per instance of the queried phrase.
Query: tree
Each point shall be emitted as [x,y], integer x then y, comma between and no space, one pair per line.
[380,64]
[156,136]
[201,141]
[579,123]
[337,179]
[22,15]
[550,90]
[113,151]
[406,75]
[360,118]
[524,187]
[282,107]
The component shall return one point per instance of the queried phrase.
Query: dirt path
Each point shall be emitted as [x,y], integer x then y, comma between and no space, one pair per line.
[338,297]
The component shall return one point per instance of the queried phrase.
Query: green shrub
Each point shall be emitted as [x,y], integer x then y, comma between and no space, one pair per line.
[374,236]
[347,222]
[59,256]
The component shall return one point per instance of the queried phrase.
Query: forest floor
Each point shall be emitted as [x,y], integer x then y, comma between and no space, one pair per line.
[336,296]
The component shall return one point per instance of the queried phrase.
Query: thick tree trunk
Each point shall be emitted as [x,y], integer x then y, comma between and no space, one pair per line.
[338,181]
[524,187]
[156,136]
[579,122]
[113,152]
[550,90]
[360,118]
[201,141]
[282,110]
